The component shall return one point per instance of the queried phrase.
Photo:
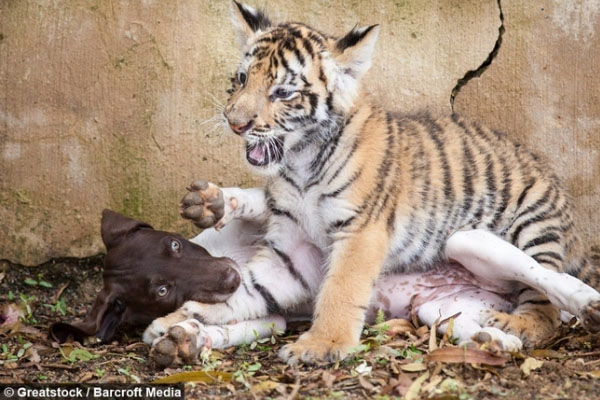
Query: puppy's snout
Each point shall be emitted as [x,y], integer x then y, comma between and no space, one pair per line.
[231,281]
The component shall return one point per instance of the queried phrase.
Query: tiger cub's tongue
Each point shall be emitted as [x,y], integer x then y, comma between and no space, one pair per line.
[257,153]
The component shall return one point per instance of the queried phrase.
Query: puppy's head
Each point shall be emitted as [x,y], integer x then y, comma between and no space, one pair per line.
[148,274]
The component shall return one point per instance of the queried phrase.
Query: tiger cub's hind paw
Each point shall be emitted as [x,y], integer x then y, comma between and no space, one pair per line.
[590,316]
[532,327]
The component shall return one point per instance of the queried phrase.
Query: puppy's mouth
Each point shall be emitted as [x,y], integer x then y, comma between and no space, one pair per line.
[264,152]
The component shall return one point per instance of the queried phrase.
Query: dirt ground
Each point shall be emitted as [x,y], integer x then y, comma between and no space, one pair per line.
[395,360]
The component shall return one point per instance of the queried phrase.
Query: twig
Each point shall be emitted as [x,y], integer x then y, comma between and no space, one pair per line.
[60,366]
[60,292]
[296,389]
[589,354]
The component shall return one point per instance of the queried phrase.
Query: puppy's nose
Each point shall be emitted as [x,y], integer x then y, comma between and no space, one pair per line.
[241,128]
[231,281]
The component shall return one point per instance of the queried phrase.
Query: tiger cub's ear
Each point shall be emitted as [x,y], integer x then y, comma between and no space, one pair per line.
[353,52]
[248,21]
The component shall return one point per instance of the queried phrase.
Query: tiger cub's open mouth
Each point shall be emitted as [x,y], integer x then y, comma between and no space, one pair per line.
[264,152]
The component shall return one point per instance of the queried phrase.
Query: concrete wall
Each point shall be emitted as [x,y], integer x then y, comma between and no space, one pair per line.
[112,104]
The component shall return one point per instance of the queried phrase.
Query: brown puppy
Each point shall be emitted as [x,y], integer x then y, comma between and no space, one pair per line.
[148,274]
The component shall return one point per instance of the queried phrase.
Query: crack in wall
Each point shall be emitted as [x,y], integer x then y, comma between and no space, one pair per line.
[475,73]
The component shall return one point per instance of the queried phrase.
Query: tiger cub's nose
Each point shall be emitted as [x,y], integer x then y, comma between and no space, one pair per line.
[241,128]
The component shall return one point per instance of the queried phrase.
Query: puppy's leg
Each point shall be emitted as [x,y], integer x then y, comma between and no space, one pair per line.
[495,260]
[185,340]
[207,205]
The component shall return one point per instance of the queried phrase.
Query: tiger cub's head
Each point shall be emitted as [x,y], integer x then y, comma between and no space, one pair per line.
[294,85]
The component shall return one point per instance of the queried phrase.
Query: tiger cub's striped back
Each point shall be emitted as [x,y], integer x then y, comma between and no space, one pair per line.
[455,175]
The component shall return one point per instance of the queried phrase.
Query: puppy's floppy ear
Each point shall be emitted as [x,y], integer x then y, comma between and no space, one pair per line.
[116,226]
[91,324]
[248,21]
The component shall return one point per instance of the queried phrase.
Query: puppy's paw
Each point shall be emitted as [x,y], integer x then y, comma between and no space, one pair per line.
[313,349]
[180,345]
[204,204]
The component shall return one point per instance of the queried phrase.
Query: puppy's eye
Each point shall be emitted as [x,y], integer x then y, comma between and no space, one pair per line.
[163,290]
[175,245]
[242,78]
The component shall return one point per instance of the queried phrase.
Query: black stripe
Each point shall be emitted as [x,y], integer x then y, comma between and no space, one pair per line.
[550,254]
[247,289]
[344,163]
[371,202]
[308,47]
[469,170]
[529,185]
[539,302]
[272,305]
[284,213]
[449,197]
[340,224]
[272,206]
[541,260]
[540,202]
[504,194]
[543,216]
[420,170]
[290,266]
[289,180]
[345,186]
[547,238]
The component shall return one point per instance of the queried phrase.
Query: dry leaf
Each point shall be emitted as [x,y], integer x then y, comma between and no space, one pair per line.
[530,364]
[450,385]
[422,331]
[415,387]
[547,353]
[397,326]
[86,377]
[449,330]
[196,376]
[363,368]
[33,355]
[328,379]
[403,383]
[462,355]
[432,384]
[265,386]
[432,336]
[10,314]
[365,383]
[413,367]
[590,374]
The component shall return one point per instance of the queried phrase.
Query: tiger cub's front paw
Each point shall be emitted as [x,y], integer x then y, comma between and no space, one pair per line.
[313,349]
[203,204]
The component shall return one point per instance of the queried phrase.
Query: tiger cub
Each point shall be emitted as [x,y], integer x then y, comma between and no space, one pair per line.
[376,191]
